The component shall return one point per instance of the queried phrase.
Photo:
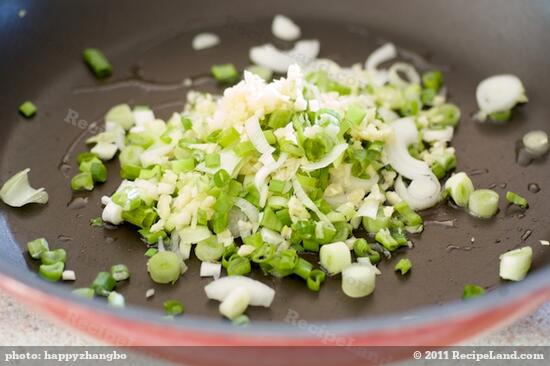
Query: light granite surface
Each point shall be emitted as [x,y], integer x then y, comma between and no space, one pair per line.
[20,327]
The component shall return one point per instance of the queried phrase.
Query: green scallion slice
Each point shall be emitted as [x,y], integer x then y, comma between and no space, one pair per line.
[471,291]
[97,62]
[225,73]
[103,284]
[404,265]
[517,200]
[37,247]
[28,109]
[173,307]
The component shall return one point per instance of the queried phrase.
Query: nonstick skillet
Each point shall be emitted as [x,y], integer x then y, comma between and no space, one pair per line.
[149,45]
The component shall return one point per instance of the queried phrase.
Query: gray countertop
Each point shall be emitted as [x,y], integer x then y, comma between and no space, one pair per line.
[20,327]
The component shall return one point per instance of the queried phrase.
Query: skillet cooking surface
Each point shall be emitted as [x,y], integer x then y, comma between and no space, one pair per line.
[152,60]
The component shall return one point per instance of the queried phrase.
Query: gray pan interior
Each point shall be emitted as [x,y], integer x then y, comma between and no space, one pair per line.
[149,46]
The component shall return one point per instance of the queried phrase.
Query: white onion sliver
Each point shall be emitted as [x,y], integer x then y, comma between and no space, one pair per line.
[422,193]
[380,55]
[256,136]
[235,303]
[260,294]
[279,61]
[369,208]
[205,40]
[190,235]
[284,28]
[328,159]
[271,237]
[405,134]
[229,161]
[17,191]
[307,202]
[305,51]
[405,68]
[499,93]
[263,173]
[248,209]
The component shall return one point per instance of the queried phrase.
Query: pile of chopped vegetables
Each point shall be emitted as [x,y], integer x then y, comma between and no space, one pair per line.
[271,170]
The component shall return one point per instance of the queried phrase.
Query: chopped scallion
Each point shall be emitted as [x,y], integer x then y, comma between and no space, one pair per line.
[165,267]
[515,264]
[404,265]
[28,109]
[51,272]
[516,199]
[315,279]
[120,272]
[37,247]
[173,307]
[103,284]
[483,203]
[84,292]
[97,62]
[82,181]
[225,73]
[96,222]
[53,256]
[471,291]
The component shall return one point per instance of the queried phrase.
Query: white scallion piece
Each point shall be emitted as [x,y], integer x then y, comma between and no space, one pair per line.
[284,28]
[499,93]
[358,280]
[459,186]
[120,115]
[260,294]
[210,269]
[235,303]
[515,264]
[115,299]
[68,275]
[150,293]
[536,143]
[544,242]
[245,250]
[335,257]
[112,213]
[205,40]
[483,203]
[192,235]
[441,135]
[17,192]
[105,151]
